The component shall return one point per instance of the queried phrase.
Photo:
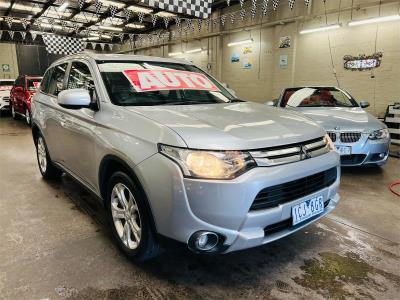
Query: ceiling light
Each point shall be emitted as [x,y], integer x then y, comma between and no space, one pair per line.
[249,41]
[112,3]
[47,25]
[5,4]
[29,8]
[93,38]
[63,6]
[194,50]
[110,28]
[164,14]
[322,28]
[174,53]
[375,20]
[135,26]
[140,9]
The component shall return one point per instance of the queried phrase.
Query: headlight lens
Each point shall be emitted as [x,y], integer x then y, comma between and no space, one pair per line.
[329,143]
[380,134]
[209,164]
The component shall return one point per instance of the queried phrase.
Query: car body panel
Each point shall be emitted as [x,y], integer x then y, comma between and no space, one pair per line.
[5,93]
[21,100]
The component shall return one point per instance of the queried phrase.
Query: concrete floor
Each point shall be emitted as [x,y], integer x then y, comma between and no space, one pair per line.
[54,244]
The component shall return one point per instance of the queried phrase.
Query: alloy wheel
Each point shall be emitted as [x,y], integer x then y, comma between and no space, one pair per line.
[126,216]
[42,155]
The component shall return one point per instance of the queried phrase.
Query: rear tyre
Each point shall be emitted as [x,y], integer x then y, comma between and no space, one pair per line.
[46,167]
[129,219]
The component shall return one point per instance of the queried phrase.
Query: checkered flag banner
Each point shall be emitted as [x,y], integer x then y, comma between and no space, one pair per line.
[275,4]
[228,2]
[232,16]
[33,35]
[113,10]
[264,7]
[11,34]
[24,22]
[81,3]
[121,37]
[9,21]
[199,24]
[307,2]
[128,14]
[154,19]
[141,16]
[223,20]
[208,24]
[23,35]
[253,9]
[166,21]
[291,3]
[197,8]
[242,14]
[97,6]
[58,44]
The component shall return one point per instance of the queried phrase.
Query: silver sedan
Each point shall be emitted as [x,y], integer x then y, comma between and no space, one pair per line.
[360,138]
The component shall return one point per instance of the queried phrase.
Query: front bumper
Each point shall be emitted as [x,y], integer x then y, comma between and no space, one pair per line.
[182,206]
[366,152]
[4,105]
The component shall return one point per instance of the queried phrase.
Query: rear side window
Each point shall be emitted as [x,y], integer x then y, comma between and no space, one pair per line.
[56,82]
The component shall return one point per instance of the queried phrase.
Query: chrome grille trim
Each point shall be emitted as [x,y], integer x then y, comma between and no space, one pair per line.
[350,137]
[332,135]
[290,153]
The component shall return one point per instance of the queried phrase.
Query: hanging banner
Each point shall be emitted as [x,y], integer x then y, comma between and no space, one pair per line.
[58,44]
[158,80]
[201,8]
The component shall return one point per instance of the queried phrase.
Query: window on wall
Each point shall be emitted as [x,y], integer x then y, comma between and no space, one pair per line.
[56,82]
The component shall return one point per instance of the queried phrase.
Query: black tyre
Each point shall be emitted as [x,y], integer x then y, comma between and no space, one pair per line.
[46,167]
[129,218]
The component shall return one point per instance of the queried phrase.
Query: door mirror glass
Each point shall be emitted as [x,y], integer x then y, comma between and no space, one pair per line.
[364,104]
[74,98]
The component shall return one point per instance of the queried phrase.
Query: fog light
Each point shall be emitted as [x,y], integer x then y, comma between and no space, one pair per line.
[205,240]
[382,155]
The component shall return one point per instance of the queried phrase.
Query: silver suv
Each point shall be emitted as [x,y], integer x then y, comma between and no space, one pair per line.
[172,153]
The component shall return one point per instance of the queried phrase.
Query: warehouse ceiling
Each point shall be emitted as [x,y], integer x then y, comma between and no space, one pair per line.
[100,20]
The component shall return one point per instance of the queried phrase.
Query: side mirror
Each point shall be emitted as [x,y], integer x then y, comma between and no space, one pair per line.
[74,98]
[364,104]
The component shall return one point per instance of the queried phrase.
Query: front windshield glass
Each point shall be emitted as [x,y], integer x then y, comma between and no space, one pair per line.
[6,85]
[132,83]
[316,97]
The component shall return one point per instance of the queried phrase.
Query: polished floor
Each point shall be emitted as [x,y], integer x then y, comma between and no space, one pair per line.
[54,244]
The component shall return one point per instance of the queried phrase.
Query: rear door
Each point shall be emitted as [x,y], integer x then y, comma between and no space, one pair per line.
[18,94]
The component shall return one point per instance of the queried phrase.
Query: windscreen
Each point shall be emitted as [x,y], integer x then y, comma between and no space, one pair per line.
[154,83]
[6,85]
[33,83]
[316,97]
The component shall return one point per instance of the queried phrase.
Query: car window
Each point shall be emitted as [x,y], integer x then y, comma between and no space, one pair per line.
[55,85]
[33,83]
[44,86]
[316,97]
[80,77]
[135,83]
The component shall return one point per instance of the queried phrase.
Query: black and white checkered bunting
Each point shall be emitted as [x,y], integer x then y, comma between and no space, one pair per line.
[57,44]
[197,8]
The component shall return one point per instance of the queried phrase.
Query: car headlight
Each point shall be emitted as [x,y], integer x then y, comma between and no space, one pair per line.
[379,134]
[209,164]
[329,143]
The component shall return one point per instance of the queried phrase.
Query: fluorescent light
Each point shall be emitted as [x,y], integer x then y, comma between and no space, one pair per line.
[135,26]
[375,20]
[174,53]
[140,9]
[46,25]
[249,41]
[194,50]
[113,3]
[165,14]
[110,28]
[63,6]
[29,8]
[322,28]
[5,4]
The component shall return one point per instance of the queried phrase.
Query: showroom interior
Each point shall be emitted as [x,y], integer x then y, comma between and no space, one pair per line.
[200,149]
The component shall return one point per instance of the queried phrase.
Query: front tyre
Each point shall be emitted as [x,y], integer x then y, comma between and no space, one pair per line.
[46,167]
[129,219]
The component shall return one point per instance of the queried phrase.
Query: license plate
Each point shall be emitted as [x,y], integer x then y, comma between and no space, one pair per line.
[307,209]
[343,150]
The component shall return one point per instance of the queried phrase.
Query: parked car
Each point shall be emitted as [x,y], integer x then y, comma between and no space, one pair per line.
[171,153]
[5,88]
[20,97]
[360,138]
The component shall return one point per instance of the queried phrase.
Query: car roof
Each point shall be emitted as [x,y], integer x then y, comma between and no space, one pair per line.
[120,57]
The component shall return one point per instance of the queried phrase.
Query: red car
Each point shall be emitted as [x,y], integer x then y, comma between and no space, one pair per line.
[21,94]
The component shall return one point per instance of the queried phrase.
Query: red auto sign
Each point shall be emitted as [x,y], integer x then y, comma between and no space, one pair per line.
[157,80]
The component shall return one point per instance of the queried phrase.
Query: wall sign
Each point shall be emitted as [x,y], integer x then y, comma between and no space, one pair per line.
[284,42]
[5,67]
[235,58]
[283,61]
[362,62]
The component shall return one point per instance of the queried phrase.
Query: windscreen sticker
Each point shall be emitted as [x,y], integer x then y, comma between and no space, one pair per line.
[36,84]
[167,79]
[6,88]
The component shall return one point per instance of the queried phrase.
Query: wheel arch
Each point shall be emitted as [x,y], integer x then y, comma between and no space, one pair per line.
[111,164]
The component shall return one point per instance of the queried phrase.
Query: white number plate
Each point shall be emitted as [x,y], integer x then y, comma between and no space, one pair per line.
[307,209]
[343,150]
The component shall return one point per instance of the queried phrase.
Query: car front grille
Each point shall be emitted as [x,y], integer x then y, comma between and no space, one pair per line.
[282,193]
[332,135]
[290,153]
[354,159]
[6,99]
[350,137]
